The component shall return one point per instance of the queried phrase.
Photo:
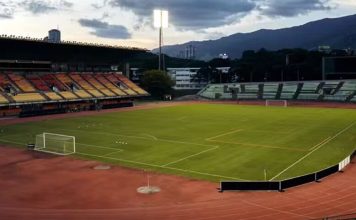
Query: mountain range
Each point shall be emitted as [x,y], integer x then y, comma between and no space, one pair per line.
[337,33]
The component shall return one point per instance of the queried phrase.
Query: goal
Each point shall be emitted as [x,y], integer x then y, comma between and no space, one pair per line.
[273,102]
[55,143]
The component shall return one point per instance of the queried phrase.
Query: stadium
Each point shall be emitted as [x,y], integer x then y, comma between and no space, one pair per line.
[80,140]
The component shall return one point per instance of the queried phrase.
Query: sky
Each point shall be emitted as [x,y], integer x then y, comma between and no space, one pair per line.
[130,22]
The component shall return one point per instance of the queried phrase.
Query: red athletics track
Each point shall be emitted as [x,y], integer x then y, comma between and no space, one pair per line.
[40,186]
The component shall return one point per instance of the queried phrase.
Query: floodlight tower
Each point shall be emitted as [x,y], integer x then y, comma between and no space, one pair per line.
[160,21]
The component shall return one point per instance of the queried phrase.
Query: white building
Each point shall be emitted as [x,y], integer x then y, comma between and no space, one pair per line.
[184,78]
[54,36]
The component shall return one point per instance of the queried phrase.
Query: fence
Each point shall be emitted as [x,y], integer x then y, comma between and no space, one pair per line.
[285,184]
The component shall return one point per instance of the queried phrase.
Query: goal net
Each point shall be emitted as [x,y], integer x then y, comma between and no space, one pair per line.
[271,102]
[55,143]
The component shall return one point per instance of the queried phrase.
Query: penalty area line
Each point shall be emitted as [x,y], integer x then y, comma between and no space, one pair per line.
[224,134]
[190,156]
[159,166]
[315,149]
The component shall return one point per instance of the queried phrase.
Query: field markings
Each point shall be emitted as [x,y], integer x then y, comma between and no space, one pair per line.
[315,146]
[159,166]
[190,156]
[11,142]
[118,151]
[140,137]
[151,136]
[315,149]
[224,134]
[90,145]
[147,164]
[98,146]
[260,145]
[211,139]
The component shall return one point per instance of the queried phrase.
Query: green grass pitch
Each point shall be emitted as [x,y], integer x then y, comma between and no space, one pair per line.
[208,141]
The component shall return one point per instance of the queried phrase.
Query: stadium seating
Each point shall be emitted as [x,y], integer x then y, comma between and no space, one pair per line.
[53,83]
[28,97]
[21,88]
[289,90]
[270,90]
[62,77]
[112,78]
[130,84]
[343,91]
[53,96]
[21,82]
[249,91]
[85,85]
[38,82]
[3,100]
[91,79]
[310,91]
[109,85]
[68,95]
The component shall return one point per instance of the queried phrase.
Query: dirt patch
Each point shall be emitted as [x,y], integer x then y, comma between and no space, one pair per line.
[38,186]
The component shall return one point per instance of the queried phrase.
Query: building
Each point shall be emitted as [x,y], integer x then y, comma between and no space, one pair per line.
[190,52]
[184,78]
[54,36]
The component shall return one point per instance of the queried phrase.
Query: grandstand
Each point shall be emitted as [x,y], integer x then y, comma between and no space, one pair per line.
[36,93]
[335,90]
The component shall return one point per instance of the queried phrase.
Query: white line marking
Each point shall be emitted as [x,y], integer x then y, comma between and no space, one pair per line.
[138,137]
[11,142]
[159,166]
[90,145]
[118,151]
[220,135]
[193,155]
[151,136]
[326,139]
[305,156]
[110,148]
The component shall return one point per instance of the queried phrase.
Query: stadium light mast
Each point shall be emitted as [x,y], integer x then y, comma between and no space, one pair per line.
[160,21]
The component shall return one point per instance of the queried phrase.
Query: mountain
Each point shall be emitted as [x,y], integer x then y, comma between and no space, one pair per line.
[335,32]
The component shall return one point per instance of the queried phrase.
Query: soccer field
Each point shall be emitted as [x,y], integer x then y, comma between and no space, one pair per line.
[207,141]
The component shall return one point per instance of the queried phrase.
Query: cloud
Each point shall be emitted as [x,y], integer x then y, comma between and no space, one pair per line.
[201,14]
[105,30]
[7,9]
[290,8]
[190,14]
[43,7]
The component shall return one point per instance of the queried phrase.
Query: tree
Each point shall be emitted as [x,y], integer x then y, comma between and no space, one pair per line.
[157,83]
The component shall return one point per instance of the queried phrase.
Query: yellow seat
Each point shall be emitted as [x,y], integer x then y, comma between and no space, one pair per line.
[95,93]
[82,94]
[28,97]
[53,96]
[68,95]
[3,100]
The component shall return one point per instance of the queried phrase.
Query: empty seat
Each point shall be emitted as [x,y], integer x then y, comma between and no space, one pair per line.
[38,82]
[112,78]
[21,82]
[53,96]
[130,84]
[28,97]
[68,95]
[90,78]
[82,94]
[85,85]
[52,82]
[3,100]
[110,85]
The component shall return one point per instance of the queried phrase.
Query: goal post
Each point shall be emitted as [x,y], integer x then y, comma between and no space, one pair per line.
[55,143]
[276,102]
